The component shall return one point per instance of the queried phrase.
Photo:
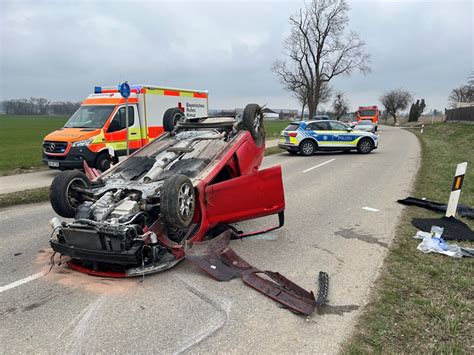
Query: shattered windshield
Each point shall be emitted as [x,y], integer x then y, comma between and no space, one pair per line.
[90,117]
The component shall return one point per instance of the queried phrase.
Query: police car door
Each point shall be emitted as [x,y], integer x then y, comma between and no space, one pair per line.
[322,133]
[342,135]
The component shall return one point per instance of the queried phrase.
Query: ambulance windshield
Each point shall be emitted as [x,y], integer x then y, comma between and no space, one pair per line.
[90,117]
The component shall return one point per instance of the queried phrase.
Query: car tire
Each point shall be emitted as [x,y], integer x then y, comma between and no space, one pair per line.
[178,201]
[171,117]
[365,146]
[307,147]
[292,152]
[252,121]
[103,162]
[65,200]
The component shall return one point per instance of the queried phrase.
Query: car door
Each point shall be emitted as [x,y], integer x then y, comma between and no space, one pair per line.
[245,197]
[342,135]
[322,132]
[116,130]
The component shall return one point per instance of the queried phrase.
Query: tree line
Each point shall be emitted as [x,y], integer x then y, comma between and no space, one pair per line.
[39,106]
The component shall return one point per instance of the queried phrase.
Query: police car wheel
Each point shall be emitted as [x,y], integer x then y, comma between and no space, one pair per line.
[307,148]
[365,146]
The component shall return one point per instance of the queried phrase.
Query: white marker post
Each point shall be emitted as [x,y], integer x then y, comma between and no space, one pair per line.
[456,190]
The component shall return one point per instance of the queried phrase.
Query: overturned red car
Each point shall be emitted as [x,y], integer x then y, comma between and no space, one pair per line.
[185,186]
[176,198]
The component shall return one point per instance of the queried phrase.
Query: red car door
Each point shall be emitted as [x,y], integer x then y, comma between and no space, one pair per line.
[245,197]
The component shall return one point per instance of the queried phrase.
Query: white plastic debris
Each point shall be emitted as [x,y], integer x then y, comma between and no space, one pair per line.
[432,242]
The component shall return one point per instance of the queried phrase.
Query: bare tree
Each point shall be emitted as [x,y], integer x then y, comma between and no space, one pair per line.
[340,105]
[318,49]
[464,93]
[301,95]
[394,101]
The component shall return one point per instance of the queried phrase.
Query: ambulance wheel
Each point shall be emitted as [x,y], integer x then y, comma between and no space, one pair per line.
[103,162]
[252,121]
[178,201]
[365,146]
[307,147]
[64,198]
[171,117]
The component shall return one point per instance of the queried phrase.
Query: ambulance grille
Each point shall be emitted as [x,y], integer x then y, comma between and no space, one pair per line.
[54,147]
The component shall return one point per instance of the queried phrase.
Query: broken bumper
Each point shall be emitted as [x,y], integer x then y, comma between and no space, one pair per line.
[133,256]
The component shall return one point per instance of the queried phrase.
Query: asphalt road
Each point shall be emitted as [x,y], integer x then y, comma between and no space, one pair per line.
[183,310]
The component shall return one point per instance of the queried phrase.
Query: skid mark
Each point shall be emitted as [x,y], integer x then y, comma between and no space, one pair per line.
[349,233]
[80,325]
[212,324]
[337,310]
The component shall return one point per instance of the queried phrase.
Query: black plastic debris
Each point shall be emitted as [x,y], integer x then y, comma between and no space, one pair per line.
[454,229]
[462,210]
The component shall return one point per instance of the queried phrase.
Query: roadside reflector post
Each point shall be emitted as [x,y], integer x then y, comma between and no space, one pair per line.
[124,89]
[456,190]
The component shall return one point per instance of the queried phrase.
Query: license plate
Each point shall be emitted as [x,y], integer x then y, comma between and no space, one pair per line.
[53,164]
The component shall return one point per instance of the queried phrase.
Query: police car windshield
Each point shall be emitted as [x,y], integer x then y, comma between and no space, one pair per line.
[90,117]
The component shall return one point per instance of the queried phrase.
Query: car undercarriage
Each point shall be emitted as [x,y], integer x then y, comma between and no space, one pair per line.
[183,190]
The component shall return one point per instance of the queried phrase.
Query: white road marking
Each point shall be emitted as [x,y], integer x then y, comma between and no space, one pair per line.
[21,282]
[317,166]
[371,209]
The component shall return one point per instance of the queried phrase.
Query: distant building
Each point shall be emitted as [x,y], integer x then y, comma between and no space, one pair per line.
[270,115]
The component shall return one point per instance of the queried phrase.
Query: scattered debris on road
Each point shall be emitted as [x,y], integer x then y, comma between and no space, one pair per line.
[463,211]
[216,258]
[433,242]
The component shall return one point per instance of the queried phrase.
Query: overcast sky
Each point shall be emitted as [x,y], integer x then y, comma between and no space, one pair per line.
[62,49]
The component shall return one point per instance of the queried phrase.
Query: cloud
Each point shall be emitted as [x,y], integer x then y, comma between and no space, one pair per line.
[62,49]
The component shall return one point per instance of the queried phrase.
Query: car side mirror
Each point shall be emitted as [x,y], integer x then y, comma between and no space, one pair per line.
[348,129]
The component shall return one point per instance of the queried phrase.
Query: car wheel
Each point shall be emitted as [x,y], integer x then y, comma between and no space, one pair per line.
[64,198]
[365,146]
[252,121]
[292,152]
[307,148]
[171,117]
[178,201]
[103,162]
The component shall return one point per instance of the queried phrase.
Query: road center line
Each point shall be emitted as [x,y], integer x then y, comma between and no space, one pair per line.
[317,166]
[21,282]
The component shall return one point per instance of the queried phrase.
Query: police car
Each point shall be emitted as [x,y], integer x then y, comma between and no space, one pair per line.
[306,137]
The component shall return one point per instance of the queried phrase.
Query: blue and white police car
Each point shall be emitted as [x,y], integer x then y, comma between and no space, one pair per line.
[306,137]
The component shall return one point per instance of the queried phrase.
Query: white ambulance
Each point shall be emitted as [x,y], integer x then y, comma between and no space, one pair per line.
[96,132]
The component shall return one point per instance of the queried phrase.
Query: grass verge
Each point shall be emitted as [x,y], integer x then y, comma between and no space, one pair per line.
[273,150]
[424,303]
[21,139]
[22,197]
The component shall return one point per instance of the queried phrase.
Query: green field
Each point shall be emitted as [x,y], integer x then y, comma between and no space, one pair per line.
[273,128]
[423,303]
[21,140]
